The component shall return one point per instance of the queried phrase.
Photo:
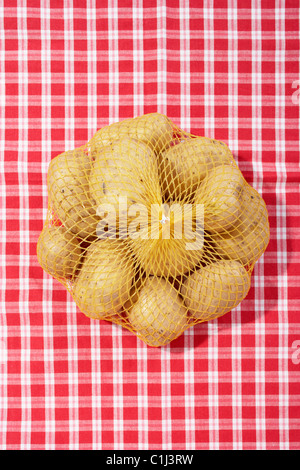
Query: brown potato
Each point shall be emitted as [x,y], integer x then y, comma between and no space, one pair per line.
[244,247]
[68,191]
[105,279]
[133,247]
[220,193]
[154,130]
[185,165]
[125,168]
[159,314]
[215,289]
[58,252]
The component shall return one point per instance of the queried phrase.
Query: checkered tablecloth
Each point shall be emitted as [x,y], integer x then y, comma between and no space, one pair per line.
[227,69]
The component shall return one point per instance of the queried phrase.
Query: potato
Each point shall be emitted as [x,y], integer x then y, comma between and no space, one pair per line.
[244,247]
[126,169]
[172,249]
[250,237]
[104,282]
[185,165]
[58,252]
[68,191]
[155,130]
[215,289]
[159,314]
[220,192]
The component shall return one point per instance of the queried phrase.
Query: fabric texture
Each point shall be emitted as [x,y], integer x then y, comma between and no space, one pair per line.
[228,70]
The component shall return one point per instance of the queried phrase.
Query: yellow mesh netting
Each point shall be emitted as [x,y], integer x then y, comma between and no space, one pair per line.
[152,228]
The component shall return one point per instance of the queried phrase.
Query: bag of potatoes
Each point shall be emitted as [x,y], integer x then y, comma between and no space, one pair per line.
[152,228]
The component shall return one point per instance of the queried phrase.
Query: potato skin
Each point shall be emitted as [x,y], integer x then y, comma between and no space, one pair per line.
[185,165]
[154,129]
[154,286]
[105,279]
[215,289]
[220,192]
[125,171]
[249,238]
[58,252]
[159,315]
[168,258]
[68,192]
[162,253]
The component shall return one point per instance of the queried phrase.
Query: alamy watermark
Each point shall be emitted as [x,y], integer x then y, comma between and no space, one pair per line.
[157,221]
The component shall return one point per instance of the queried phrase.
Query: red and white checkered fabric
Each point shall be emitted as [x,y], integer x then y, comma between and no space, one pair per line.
[223,69]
